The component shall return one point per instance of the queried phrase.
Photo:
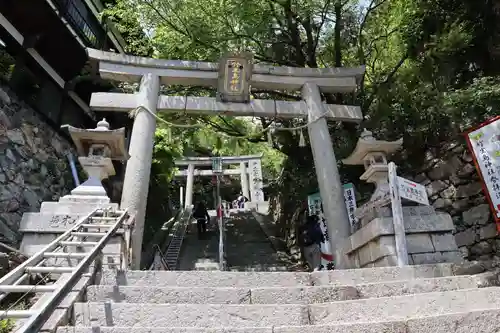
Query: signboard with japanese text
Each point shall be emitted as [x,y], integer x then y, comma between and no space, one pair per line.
[216,164]
[484,143]
[350,202]
[256,184]
[235,72]
[412,191]
[316,208]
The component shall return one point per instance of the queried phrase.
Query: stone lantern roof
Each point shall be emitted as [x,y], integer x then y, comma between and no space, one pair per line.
[368,144]
[84,139]
[96,149]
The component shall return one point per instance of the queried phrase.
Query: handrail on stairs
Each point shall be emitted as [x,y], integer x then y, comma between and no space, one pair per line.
[174,244]
[220,221]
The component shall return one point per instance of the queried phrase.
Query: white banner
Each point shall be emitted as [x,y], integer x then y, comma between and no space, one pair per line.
[256,184]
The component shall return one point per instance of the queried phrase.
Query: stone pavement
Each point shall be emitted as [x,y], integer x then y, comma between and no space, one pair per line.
[247,247]
[200,254]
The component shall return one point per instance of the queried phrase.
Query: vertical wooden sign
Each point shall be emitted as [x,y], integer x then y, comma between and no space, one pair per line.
[397,217]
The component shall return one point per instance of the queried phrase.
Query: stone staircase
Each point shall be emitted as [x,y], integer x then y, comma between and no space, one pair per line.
[200,253]
[247,248]
[412,299]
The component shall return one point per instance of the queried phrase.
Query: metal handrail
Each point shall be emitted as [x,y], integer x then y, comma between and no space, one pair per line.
[222,261]
[163,260]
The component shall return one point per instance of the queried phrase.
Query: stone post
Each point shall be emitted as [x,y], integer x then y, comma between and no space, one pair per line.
[136,182]
[330,187]
[189,186]
[244,180]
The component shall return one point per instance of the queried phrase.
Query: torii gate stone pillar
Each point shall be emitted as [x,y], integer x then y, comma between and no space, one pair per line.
[330,186]
[138,170]
[189,186]
[244,180]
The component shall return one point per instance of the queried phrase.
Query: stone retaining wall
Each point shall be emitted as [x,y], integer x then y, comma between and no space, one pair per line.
[428,235]
[454,186]
[33,165]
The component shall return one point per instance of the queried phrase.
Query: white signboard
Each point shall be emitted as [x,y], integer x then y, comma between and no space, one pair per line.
[350,202]
[412,191]
[316,208]
[256,183]
[485,145]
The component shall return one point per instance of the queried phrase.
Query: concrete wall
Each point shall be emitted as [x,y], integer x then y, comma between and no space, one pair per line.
[454,187]
[33,166]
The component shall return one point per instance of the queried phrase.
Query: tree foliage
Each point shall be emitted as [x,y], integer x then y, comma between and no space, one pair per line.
[431,70]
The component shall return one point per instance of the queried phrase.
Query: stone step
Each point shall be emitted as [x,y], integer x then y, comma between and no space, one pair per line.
[405,307]
[274,279]
[188,315]
[417,286]
[257,315]
[483,321]
[257,268]
[273,295]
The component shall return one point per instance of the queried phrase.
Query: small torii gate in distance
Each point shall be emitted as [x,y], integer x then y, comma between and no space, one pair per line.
[250,177]
[153,72]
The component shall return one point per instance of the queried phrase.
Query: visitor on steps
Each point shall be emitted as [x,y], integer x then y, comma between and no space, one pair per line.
[241,201]
[310,238]
[202,217]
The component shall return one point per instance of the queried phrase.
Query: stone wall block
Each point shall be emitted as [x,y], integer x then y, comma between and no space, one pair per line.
[477,215]
[488,231]
[466,170]
[444,242]
[442,204]
[461,205]
[481,248]
[467,157]
[467,237]
[436,257]
[449,192]
[456,180]
[464,251]
[419,243]
[445,169]
[469,190]
[420,178]
[435,187]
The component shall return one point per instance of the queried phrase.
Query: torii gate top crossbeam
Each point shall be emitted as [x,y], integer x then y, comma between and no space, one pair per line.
[131,68]
[125,59]
[224,160]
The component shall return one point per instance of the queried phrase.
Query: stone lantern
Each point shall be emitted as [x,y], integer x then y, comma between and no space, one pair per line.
[96,149]
[373,154]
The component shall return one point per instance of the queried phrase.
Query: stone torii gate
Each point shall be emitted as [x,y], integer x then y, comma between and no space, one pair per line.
[153,72]
[250,177]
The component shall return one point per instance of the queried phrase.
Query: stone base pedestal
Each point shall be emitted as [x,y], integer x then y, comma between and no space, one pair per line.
[429,237]
[55,218]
